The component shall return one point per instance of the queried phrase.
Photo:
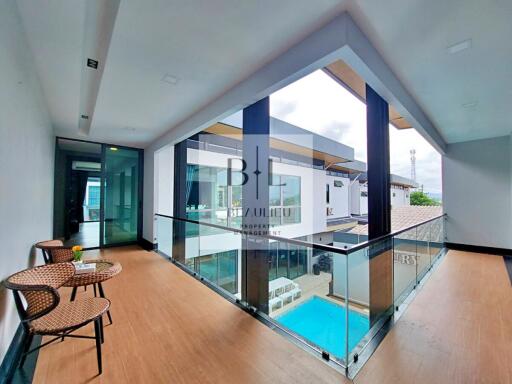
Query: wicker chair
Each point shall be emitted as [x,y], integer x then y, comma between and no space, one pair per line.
[55,252]
[43,313]
[46,248]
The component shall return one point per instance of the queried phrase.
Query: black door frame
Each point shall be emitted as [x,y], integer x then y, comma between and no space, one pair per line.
[102,190]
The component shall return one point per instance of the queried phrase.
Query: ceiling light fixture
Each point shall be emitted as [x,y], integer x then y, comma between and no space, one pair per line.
[461,46]
[113,148]
[170,79]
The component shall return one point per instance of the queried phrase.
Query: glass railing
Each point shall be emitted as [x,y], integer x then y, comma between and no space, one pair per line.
[212,252]
[332,298]
[414,252]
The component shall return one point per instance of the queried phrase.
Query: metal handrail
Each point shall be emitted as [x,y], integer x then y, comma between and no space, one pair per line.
[321,247]
[367,243]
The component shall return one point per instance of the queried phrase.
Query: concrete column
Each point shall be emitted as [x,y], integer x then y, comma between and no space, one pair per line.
[255,220]
[379,206]
[180,201]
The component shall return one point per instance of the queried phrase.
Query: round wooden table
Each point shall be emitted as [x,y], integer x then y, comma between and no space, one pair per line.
[105,270]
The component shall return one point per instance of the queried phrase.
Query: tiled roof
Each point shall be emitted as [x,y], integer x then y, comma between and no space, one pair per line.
[404,217]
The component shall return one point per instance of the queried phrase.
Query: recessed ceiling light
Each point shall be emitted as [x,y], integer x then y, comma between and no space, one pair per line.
[461,46]
[170,79]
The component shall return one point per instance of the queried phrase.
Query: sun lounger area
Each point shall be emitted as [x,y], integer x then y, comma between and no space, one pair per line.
[282,291]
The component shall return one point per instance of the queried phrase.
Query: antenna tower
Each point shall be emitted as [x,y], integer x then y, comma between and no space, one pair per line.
[413,164]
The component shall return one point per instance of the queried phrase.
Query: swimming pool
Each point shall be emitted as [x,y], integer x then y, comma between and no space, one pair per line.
[323,322]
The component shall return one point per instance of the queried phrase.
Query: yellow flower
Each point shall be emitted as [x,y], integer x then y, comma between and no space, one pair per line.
[76,248]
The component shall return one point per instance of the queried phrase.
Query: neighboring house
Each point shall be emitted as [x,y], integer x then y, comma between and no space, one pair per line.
[317,190]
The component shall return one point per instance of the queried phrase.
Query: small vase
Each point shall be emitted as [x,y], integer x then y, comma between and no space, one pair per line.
[77,256]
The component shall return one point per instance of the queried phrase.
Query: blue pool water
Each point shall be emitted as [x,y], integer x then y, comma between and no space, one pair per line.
[323,322]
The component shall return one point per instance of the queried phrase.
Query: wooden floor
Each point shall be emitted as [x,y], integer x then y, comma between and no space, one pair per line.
[458,329]
[88,236]
[170,328]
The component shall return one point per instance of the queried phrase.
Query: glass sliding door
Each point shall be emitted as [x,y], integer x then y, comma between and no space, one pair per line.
[121,195]
[76,204]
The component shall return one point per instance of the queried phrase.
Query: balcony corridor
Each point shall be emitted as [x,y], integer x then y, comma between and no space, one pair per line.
[168,327]
[457,330]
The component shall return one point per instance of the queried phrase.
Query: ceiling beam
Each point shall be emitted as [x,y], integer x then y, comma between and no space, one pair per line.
[100,18]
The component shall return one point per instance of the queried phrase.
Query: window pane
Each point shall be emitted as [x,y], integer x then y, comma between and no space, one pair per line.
[228,270]
[236,178]
[294,260]
[208,267]
[221,188]
[236,200]
[291,215]
[236,219]
[291,190]
[121,195]
[282,262]
[222,196]
[272,272]
[275,216]
[303,256]
[274,192]
[94,196]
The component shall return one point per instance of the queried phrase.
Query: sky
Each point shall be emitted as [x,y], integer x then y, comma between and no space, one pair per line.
[319,104]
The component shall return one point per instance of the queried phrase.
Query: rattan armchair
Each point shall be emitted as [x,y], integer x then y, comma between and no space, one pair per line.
[45,315]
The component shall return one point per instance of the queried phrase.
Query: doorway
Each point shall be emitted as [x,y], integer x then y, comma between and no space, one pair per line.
[98,194]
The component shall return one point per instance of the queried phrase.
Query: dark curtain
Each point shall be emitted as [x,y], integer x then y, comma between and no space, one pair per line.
[191,176]
[81,190]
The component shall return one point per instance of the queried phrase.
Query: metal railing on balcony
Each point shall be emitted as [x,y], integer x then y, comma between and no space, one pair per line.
[324,296]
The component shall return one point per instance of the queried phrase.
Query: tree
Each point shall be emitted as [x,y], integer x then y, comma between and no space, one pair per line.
[421,198]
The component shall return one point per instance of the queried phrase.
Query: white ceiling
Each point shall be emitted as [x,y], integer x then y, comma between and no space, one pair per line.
[210,46]
[55,33]
[413,37]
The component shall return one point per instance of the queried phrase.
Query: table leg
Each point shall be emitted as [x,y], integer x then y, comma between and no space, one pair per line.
[102,294]
[73,294]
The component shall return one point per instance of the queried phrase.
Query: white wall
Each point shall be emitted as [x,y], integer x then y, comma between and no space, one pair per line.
[164,180]
[359,204]
[26,156]
[355,201]
[401,196]
[313,212]
[148,211]
[338,199]
[363,202]
[477,192]
[163,198]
